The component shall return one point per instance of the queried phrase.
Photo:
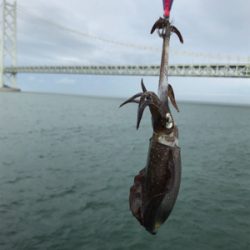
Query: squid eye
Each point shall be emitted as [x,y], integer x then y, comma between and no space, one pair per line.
[169,123]
[168,116]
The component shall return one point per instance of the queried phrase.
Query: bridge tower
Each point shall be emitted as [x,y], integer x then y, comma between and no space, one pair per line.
[8,43]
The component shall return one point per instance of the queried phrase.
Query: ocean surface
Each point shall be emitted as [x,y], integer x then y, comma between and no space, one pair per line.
[67,163]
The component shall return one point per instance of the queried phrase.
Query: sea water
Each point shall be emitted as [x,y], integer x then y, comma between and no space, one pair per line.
[67,163]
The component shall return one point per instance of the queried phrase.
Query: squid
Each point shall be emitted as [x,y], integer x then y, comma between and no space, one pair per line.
[156,187]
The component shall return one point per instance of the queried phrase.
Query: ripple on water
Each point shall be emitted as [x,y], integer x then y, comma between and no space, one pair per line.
[67,167]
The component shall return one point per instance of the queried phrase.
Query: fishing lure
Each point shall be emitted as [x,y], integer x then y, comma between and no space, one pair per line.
[155,189]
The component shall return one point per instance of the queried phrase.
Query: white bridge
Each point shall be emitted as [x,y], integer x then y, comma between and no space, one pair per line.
[9,68]
[213,70]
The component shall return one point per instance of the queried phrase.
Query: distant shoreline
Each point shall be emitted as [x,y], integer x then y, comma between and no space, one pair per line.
[7,89]
[194,102]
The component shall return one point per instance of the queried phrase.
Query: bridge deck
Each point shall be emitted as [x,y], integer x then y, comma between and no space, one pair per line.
[185,70]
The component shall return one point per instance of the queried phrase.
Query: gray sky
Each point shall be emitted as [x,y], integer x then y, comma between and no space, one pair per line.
[219,29]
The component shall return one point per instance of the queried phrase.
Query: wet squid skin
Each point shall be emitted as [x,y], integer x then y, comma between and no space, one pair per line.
[155,188]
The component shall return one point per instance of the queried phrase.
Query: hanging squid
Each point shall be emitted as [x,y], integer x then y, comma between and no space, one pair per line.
[155,189]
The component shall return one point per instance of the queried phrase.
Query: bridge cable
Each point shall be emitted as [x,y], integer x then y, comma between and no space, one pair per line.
[137,46]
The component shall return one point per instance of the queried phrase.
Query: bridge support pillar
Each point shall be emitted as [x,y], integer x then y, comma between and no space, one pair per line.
[8,31]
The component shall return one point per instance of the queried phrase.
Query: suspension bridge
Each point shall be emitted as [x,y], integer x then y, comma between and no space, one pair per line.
[9,68]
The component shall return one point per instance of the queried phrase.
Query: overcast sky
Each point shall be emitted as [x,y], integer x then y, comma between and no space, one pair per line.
[214,31]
